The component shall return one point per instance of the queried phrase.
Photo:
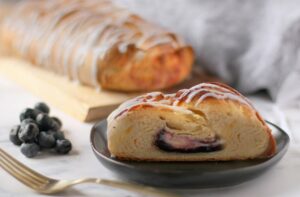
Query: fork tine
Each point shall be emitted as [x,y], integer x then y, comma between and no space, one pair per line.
[23,169]
[20,176]
[29,170]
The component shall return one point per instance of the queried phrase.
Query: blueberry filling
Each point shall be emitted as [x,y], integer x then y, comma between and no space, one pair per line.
[171,142]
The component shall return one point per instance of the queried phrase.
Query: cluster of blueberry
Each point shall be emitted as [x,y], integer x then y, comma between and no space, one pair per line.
[39,131]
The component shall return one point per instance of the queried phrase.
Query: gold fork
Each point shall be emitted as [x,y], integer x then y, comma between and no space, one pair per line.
[46,185]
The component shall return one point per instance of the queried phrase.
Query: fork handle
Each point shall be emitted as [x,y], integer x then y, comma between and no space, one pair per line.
[148,191]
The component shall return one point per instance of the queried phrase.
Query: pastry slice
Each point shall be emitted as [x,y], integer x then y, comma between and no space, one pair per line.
[208,122]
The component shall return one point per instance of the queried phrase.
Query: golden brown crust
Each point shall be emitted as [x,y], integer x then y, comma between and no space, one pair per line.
[126,158]
[272,145]
[96,43]
[157,70]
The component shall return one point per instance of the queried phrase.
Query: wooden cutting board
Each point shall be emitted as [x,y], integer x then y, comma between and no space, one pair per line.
[83,103]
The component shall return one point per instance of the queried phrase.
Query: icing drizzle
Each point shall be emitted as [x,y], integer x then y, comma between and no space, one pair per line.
[194,95]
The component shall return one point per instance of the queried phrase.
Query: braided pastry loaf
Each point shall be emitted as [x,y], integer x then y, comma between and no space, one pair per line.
[96,43]
[209,121]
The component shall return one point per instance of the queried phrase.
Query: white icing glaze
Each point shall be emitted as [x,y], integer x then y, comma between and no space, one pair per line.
[213,90]
[171,101]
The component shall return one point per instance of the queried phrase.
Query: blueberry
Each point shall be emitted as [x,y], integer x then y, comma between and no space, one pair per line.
[46,140]
[43,107]
[13,135]
[27,121]
[30,149]
[44,122]
[28,132]
[63,146]
[28,113]
[51,132]
[58,135]
[54,125]
[57,120]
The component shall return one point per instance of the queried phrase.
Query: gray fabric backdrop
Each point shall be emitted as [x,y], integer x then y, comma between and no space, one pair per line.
[252,45]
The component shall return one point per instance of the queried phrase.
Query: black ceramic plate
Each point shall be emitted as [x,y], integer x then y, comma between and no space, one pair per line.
[186,174]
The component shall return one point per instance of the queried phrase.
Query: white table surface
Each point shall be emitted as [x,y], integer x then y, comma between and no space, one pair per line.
[282,180]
